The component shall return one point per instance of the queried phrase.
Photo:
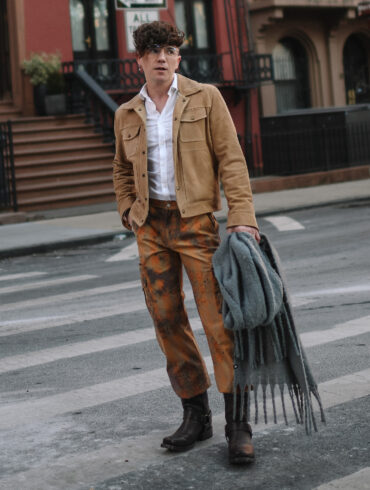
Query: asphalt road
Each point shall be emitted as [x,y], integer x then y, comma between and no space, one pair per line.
[85,400]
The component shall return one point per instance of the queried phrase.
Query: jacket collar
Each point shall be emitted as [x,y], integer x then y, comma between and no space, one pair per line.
[186,87]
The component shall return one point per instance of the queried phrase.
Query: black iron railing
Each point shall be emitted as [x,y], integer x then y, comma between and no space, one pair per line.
[123,74]
[8,195]
[295,151]
[85,95]
[257,68]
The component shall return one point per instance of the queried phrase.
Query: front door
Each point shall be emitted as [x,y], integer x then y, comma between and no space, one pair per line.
[195,18]
[5,78]
[93,29]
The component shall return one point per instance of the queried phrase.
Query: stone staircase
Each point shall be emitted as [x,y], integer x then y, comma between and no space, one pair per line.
[60,162]
[8,111]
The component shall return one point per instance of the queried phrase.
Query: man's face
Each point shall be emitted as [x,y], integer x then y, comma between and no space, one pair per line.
[159,63]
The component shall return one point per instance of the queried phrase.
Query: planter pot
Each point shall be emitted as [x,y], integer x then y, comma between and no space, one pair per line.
[39,93]
[55,104]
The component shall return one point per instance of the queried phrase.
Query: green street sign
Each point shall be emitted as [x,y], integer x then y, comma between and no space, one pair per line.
[141,4]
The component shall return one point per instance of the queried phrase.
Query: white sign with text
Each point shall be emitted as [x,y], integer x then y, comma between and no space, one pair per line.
[133,19]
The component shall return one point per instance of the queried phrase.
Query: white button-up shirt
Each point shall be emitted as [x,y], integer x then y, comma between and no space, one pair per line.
[161,167]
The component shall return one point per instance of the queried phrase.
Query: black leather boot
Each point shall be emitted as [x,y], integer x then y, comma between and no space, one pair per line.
[196,425]
[238,432]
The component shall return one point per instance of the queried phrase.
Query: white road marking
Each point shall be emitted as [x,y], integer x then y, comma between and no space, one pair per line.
[358,288]
[24,275]
[52,354]
[128,253]
[348,329]
[284,223]
[356,481]
[44,284]
[23,325]
[104,392]
[61,298]
[78,471]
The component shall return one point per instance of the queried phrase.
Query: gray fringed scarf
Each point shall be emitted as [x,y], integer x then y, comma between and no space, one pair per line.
[257,309]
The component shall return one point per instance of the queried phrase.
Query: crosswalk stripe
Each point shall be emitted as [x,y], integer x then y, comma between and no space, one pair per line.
[356,481]
[128,253]
[23,275]
[79,470]
[284,223]
[117,389]
[351,328]
[32,324]
[60,298]
[36,358]
[357,288]
[44,284]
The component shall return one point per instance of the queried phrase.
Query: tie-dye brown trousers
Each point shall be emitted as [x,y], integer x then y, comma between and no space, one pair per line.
[166,242]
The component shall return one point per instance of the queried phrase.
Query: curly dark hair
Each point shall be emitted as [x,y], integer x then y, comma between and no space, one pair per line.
[157,32]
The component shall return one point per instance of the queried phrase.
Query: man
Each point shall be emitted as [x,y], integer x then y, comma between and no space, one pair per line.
[174,140]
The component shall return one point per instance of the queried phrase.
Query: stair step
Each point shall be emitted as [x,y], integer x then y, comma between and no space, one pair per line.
[68,199]
[77,150]
[51,176]
[57,184]
[56,130]
[47,121]
[64,162]
[55,142]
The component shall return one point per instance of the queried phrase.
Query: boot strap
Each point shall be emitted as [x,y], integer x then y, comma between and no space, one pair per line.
[237,427]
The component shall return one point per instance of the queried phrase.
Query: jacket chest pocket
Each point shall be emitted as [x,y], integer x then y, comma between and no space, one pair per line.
[130,137]
[193,125]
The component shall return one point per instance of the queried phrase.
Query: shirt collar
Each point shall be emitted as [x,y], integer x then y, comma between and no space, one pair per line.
[144,93]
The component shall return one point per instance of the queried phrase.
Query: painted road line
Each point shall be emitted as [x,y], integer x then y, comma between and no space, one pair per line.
[128,253]
[345,330]
[23,275]
[45,284]
[61,298]
[284,223]
[32,324]
[356,481]
[33,410]
[22,361]
[357,288]
[78,471]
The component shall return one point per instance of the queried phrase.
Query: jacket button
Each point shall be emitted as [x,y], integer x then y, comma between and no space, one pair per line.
[184,100]
[192,118]
[129,135]
[177,188]
[183,211]
[144,152]
[143,175]
[175,118]
[146,198]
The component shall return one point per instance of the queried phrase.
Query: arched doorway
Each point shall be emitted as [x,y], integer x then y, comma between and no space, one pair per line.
[356,69]
[291,75]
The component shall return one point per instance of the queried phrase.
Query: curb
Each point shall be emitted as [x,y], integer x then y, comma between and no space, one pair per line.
[106,237]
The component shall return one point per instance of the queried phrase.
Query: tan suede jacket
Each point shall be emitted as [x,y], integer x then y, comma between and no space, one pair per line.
[205,150]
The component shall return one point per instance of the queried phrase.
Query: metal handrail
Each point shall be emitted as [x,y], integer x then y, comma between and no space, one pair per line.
[8,193]
[85,95]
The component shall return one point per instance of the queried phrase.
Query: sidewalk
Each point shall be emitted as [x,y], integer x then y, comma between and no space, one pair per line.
[51,234]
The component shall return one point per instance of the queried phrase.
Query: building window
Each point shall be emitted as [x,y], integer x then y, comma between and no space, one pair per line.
[356,69]
[291,75]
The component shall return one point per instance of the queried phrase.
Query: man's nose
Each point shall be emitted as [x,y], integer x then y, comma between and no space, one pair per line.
[161,55]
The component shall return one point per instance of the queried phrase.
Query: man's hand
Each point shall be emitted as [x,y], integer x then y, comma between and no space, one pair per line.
[248,229]
[126,219]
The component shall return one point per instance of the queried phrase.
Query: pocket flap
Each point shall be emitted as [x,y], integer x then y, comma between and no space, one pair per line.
[130,132]
[194,114]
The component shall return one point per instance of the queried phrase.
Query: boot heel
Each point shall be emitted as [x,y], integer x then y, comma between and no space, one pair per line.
[207,433]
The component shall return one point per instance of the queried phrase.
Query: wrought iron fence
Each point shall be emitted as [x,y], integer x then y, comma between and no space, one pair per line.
[8,195]
[257,68]
[296,151]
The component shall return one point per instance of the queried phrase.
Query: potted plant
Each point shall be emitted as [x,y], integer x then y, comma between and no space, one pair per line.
[45,71]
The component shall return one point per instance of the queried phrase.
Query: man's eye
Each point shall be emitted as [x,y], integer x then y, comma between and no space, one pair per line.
[171,50]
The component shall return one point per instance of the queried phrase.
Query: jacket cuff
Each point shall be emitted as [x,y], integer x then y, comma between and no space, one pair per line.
[242,219]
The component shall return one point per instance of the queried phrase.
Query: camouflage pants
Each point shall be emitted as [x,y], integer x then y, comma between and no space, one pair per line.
[166,242]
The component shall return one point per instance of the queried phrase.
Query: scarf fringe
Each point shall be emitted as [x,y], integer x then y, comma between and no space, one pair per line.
[303,410]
